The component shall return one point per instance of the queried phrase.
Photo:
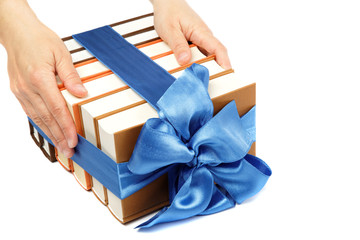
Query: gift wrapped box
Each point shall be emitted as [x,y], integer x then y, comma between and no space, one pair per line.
[113,114]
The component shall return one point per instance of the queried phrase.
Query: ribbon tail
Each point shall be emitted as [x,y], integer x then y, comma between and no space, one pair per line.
[220,201]
[192,199]
[242,179]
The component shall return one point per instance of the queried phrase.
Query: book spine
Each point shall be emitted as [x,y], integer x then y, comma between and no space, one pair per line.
[47,149]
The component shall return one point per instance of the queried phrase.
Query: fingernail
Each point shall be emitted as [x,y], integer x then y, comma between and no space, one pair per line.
[67,153]
[80,88]
[60,149]
[227,66]
[183,57]
[71,143]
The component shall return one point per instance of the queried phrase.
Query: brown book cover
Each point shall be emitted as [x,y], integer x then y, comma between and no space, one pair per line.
[47,149]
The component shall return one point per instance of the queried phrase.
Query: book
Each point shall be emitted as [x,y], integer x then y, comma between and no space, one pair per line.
[35,135]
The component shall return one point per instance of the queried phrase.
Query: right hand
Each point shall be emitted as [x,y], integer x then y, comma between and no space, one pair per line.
[35,56]
[176,23]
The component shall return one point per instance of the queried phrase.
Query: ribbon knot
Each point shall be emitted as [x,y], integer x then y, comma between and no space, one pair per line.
[195,162]
[197,150]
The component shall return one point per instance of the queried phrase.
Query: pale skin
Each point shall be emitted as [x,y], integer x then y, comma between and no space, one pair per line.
[36,54]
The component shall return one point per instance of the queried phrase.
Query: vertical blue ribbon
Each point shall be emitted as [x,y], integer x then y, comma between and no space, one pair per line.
[144,76]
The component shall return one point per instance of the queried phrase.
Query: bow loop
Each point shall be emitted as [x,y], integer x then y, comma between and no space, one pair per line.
[223,138]
[242,179]
[186,104]
[156,140]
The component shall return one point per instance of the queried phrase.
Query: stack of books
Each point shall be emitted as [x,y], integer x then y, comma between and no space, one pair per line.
[112,114]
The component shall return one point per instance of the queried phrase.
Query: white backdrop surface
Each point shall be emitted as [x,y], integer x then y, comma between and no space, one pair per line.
[305,58]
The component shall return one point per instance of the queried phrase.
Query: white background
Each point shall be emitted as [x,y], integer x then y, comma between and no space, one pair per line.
[304,56]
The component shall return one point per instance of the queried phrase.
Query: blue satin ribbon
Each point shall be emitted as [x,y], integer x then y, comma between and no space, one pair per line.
[198,149]
[205,157]
[144,76]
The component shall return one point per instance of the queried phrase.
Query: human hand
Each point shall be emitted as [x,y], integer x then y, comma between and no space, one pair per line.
[35,56]
[176,23]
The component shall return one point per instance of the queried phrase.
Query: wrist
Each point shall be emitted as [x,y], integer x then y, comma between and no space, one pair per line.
[15,17]
[157,2]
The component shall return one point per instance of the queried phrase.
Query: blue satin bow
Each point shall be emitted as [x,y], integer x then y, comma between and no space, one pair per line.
[206,157]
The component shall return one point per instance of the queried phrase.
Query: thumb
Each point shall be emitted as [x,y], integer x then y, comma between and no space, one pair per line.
[69,76]
[179,45]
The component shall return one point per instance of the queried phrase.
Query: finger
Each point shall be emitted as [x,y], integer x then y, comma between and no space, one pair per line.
[212,45]
[31,113]
[178,44]
[56,105]
[22,93]
[14,78]
[24,107]
[28,100]
[69,76]
[45,87]
[37,120]
[42,113]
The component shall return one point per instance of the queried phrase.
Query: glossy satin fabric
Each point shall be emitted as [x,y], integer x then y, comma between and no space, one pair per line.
[205,157]
[199,149]
[144,76]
